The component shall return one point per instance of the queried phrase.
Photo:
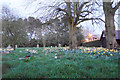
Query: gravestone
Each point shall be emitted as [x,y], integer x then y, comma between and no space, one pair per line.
[9,47]
[65,46]
[37,45]
[55,56]
[59,45]
[16,46]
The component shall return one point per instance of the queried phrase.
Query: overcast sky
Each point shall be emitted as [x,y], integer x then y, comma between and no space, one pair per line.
[18,6]
[24,10]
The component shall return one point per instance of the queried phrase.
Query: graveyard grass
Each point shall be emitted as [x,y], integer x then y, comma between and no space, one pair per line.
[78,65]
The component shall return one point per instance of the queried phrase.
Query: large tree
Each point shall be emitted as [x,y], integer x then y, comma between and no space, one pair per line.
[14,33]
[76,12]
[14,30]
[109,12]
[73,12]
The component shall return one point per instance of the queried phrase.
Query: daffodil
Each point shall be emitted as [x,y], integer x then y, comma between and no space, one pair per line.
[111,54]
[111,50]
[98,53]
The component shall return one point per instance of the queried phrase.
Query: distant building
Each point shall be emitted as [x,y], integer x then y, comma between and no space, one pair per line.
[96,37]
[103,39]
[90,37]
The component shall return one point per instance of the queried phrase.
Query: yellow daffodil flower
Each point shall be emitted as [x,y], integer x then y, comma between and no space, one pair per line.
[111,54]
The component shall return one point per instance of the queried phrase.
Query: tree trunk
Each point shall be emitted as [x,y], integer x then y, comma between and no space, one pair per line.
[44,41]
[72,37]
[14,47]
[110,31]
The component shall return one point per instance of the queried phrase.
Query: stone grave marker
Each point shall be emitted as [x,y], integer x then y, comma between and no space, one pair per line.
[9,47]
[65,46]
[55,46]
[37,45]
[59,45]
[16,46]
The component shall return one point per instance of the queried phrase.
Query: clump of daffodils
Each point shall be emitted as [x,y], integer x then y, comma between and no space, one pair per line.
[10,49]
[6,51]
[32,51]
[99,51]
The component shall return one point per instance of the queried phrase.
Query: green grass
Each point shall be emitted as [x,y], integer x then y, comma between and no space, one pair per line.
[78,65]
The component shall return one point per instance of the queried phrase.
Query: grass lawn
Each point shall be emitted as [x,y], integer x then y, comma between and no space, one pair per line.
[81,63]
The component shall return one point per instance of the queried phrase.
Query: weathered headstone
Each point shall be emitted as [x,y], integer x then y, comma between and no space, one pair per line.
[65,46]
[37,45]
[59,45]
[56,56]
[16,46]
[9,47]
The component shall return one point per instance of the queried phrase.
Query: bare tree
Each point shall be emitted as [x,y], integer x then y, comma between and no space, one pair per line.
[110,32]
[73,13]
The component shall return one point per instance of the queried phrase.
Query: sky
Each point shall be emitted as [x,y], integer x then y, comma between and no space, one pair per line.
[18,6]
[24,10]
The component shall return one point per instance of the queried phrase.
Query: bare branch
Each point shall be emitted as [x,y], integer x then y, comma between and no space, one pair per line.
[86,19]
[81,7]
[80,11]
[84,15]
[116,7]
[98,4]
[86,11]
[51,21]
